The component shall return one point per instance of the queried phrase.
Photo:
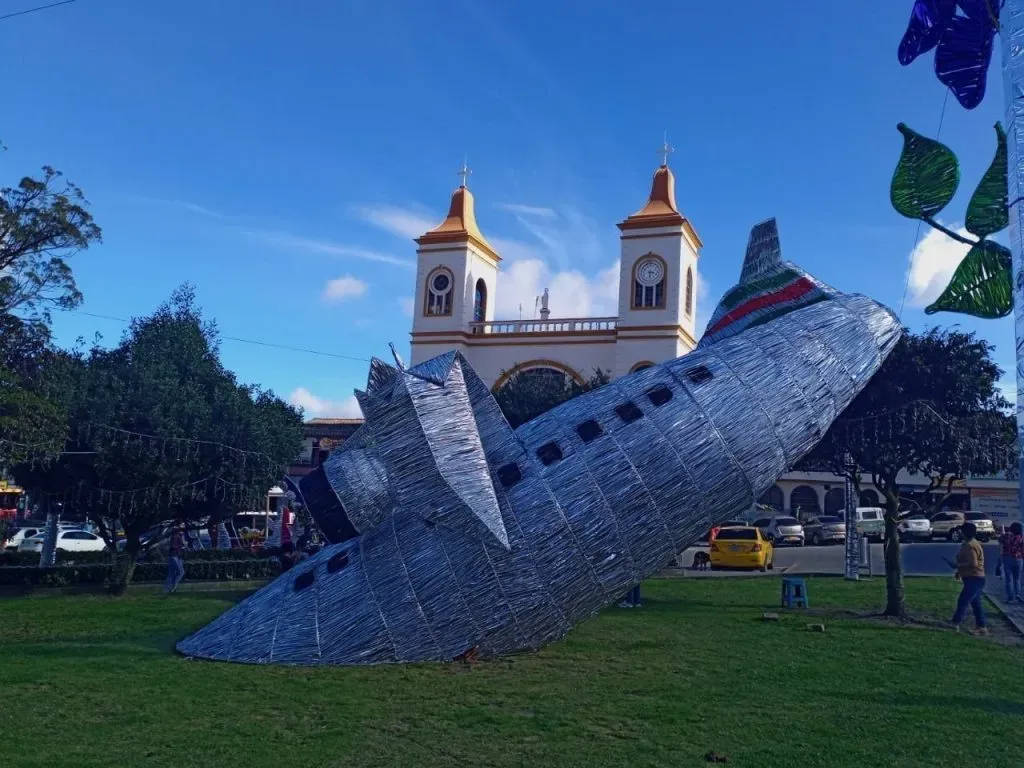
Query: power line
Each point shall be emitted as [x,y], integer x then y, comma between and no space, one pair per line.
[37,8]
[255,342]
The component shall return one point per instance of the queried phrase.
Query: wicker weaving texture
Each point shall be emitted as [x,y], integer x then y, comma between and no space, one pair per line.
[466,534]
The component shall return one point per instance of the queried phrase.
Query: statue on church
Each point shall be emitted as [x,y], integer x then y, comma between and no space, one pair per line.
[453,534]
[545,313]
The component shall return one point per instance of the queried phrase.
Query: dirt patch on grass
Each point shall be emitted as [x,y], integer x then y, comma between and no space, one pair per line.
[1001,630]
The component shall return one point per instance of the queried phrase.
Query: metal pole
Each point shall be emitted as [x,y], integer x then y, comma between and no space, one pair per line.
[852,555]
[1011,36]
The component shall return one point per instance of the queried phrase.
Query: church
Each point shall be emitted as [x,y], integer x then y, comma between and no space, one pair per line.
[456,287]
[457,280]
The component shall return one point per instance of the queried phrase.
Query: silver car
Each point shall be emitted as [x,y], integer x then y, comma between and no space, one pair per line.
[917,527]
[781,530]
[825,530]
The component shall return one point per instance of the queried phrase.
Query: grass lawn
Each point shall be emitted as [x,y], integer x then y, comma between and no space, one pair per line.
[90,681]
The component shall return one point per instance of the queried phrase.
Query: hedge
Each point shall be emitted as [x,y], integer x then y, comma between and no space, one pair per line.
[197,569]
[92,558]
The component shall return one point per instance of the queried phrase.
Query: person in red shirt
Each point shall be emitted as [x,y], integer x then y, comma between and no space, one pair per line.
[1011,545]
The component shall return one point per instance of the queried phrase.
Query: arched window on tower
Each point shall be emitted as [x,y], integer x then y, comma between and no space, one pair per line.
[689,291]
[649,282]
[480,301]
[438,300]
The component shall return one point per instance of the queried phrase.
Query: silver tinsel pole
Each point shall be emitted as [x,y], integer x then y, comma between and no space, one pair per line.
[852,550]
[1012,40]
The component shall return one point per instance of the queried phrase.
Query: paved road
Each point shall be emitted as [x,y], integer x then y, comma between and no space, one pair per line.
[923,559]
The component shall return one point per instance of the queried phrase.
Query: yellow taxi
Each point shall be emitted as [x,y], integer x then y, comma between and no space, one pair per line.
[742,547]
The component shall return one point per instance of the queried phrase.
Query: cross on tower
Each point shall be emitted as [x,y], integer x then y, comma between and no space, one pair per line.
[464,174]
[666,150]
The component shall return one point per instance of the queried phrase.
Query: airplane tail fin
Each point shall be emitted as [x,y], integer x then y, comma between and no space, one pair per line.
[769,287]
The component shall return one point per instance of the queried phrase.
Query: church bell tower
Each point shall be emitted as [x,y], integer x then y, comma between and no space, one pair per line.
[657,279]
[456,278]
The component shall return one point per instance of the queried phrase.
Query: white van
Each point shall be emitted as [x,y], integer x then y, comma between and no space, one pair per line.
[870,522]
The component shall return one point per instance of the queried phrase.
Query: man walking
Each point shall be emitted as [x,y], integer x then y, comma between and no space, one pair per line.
[970,570]
[175,563]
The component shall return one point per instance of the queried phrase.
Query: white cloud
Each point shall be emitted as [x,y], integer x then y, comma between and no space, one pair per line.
[560,249]
[932,264]
[401,222]
[345,287]
[313,406]
[328,247]
[572,293]
[1009,388]
[528,210]
[184,205]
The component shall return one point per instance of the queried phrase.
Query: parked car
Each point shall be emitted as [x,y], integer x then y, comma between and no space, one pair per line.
[944,523]
[19,536]
[726,524]
[742,547]
[825,530]
[917,527]
[781,529]
[31,530]
[68,540]
[986,528]
[870,522]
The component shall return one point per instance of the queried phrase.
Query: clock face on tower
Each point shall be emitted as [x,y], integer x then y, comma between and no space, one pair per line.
[649,272]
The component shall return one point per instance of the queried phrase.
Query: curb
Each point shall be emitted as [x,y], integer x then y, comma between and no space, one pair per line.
[1012,613]
[144,586]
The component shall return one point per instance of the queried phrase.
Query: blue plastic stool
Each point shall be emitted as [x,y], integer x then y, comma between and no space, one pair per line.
[794,592]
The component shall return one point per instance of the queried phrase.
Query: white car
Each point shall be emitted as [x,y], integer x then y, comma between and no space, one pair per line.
[26,533]
[67,540]
[20,535]
[917,527]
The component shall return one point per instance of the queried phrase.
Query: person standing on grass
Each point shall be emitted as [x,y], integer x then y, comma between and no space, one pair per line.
[1011,545]
[632,599]
[970,570]
[175,563]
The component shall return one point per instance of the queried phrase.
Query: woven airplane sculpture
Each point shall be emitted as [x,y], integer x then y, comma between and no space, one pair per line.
[454,534]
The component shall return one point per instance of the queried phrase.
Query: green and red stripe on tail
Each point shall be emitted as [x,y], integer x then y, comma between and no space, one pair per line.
[768,289]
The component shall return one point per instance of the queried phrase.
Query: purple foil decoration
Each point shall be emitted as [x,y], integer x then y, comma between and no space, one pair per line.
[927,23]
[961,31]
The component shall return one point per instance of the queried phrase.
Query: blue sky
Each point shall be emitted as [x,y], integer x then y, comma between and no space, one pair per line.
[281,155]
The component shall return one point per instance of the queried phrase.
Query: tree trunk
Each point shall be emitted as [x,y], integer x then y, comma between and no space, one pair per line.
[894,597]
[894,604]
[124,565]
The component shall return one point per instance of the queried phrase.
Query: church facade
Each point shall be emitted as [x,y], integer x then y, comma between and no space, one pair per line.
[457,284]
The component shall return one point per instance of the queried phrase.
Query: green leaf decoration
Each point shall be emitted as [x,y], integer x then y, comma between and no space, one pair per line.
[981,285]
[988,210]
[926,176]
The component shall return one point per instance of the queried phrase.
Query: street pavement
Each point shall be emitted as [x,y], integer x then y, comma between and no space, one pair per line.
[919,559]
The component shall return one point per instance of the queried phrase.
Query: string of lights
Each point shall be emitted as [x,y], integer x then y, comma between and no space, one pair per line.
[182,448]
[121,501]
[239,339]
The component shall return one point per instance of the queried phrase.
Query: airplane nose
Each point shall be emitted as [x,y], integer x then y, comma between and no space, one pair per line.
[325,506]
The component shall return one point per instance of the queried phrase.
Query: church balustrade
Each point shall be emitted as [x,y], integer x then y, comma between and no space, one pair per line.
[564,325]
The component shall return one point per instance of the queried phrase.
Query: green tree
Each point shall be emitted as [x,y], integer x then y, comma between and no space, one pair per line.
[31,376]
[528,394]
[43,223]
[933,410]
[222,443]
